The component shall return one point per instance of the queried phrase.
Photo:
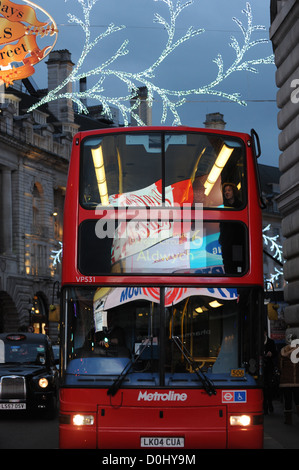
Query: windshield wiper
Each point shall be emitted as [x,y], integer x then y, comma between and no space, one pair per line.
[206,382]
[112,390]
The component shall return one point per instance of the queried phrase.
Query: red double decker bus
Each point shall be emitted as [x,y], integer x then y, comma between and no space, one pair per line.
[162,291]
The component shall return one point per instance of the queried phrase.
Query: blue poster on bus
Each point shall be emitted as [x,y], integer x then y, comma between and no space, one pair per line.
[206,257]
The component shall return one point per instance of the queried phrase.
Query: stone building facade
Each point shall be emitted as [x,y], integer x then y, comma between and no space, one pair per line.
[284,34]
[34,156]
[143,110]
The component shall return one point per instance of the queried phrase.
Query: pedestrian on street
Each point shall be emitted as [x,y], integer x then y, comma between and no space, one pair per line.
[289,379]
[270,357]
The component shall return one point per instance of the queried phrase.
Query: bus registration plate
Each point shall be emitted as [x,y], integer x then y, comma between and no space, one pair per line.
[162,441]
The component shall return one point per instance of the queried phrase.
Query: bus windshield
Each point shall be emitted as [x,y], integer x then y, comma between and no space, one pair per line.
[164,334]
[155,168]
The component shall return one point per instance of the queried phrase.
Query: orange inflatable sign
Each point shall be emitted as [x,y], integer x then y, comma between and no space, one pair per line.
[27,35]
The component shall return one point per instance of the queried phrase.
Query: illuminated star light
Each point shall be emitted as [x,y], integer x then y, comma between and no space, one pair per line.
[171,99]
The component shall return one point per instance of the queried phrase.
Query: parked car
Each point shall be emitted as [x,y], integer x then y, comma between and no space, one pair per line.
[28,374]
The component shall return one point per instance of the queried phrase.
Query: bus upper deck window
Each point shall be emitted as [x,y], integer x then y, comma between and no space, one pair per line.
[121,170]
[151,169]
[208,161]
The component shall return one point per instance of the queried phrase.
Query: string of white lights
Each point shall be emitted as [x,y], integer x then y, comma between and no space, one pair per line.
[171,100]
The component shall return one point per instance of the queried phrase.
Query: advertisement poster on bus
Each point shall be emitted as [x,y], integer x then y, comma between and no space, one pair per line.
[107,298]
[182,254]
[177,242]
[144,230]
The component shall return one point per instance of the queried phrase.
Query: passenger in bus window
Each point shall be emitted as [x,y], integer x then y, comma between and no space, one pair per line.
[232,234]
[270,355]
[231,195]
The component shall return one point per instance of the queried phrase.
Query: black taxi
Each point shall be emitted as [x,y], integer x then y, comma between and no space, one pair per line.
[28,374]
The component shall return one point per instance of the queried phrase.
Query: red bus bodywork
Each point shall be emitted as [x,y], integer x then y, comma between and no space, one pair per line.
[122,421]
[143,415]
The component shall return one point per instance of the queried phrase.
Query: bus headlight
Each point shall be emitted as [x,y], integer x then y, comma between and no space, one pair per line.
[43,382]
[83,420]
[241,420]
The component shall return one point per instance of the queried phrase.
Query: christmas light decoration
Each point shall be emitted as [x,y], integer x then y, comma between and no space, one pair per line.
[276,248]
[57,255]
[35,38]
[171,99]
[275,276]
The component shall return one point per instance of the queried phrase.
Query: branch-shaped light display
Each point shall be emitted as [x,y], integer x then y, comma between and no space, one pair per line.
[171,99]
[57,254]
[276,249]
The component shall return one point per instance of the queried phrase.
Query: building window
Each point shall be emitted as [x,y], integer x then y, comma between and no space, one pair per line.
[38,226]
[39,117]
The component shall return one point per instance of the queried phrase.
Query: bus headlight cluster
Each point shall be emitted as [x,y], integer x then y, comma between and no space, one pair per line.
[241,420]
[83,420]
